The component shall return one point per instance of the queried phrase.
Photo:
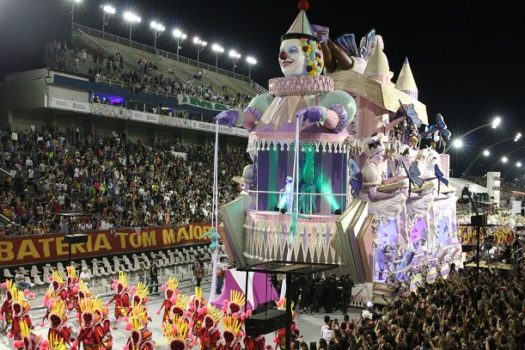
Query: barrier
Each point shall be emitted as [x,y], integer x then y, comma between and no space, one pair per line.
[16,251]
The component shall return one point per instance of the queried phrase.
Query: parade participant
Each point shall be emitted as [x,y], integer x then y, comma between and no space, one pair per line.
[140,295]
[90,333]
[232,334]
[177,334]
[72,287]
[29,340]
[170,297]
[178,309]
[6,312]
[280,334]
[121,297]
[58,328]
[20,312]
[209,333]
[58,285]
[140,337]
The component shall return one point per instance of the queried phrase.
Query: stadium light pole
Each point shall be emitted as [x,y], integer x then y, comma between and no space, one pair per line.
[107,11]
[217,49]
[201,44]
[235,56]
[158,29]
[515,138]
[180,37]
[251,62]
[73,3]
[131,18]
[494,124]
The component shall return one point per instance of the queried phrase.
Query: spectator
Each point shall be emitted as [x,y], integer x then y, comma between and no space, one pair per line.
[220,276]
[154,279]
[85,276]
[326,329]
[20,280]
[198,270]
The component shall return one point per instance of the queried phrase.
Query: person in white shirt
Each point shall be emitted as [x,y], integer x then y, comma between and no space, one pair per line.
[85,276]
[327,332]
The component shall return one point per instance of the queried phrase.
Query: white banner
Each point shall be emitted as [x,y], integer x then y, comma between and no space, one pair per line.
[145,117]
[62,103]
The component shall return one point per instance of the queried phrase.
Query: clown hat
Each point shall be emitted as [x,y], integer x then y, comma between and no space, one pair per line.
[301,27]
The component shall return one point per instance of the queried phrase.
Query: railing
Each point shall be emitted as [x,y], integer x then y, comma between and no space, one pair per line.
[95,43]
[167,54]
[307,201]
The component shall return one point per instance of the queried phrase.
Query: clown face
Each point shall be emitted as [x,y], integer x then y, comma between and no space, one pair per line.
[291,58]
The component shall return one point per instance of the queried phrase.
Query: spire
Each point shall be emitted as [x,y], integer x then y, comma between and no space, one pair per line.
[300,28]
[377,67]
[405,81]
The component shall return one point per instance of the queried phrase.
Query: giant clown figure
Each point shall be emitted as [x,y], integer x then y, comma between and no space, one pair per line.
[300,108]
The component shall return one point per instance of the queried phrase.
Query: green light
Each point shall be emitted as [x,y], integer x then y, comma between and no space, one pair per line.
[326,187]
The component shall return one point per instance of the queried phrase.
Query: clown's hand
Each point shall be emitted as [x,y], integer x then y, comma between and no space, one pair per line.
[313,114]
[321,32]
[228,117]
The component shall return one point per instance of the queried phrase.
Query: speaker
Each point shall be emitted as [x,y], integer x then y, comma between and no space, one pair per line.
[478,220]
[265,322]
[76,238]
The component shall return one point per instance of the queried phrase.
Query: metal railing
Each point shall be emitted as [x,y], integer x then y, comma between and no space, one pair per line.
[146,48]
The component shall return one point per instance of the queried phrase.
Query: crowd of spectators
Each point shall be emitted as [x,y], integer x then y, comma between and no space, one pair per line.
[143,76]
[117,182]
[462,312]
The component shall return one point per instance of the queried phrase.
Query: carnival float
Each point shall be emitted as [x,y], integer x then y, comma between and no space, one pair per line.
[347,167]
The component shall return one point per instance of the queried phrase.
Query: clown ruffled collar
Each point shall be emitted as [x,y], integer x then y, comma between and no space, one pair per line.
[300,85]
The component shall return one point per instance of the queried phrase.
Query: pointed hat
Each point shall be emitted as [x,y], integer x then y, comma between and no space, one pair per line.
[300,28]
[405,81]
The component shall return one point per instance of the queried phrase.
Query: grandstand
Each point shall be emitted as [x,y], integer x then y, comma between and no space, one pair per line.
[66,110]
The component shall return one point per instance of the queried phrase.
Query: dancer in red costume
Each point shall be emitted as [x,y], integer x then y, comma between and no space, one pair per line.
[177,334]
[6,312]
[121,298]
[170,297]
[208,333]
[20,312]
[58,328]
[232,335]
[280,334]
[29,340]
[91,332]
[140,337]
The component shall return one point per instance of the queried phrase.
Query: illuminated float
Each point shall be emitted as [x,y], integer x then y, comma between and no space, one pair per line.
[367,186]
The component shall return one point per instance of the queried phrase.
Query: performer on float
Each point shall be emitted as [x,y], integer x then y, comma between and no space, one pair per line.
[29,340]
[170,297]
[385,201]
[20,312]
[58,328]
[140,337]
[90,333]
[121,297]
[6,312]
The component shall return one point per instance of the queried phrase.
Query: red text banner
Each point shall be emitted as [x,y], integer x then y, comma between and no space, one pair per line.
[53,247]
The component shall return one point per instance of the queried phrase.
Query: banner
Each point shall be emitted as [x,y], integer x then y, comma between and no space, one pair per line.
[62,103]
[26,250]
[198,103]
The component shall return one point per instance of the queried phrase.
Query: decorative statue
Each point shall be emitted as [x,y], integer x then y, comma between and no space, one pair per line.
[303,93]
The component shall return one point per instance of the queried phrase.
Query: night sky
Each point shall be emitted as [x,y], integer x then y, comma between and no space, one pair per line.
[466,57]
